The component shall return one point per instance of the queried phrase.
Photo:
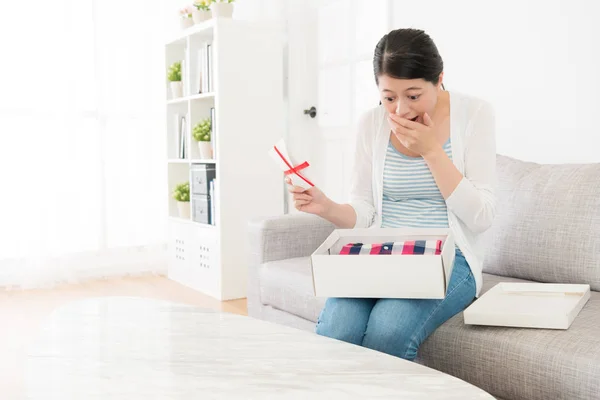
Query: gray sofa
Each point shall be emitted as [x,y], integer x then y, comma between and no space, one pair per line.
[547,229]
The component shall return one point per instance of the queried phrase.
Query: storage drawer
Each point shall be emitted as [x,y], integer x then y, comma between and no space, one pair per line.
[202,174]
[201,209]
[181,250]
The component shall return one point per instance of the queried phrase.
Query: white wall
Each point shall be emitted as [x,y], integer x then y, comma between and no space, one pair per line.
[537,61]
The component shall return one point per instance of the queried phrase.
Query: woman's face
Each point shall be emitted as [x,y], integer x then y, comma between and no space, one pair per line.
[408,98]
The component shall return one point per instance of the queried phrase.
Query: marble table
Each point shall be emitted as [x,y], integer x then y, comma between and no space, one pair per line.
[133,348]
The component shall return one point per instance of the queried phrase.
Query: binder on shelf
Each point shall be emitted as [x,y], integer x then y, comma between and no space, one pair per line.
[212,202]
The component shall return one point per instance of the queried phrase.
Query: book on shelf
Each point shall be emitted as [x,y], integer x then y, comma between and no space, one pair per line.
[181,137]
[209,66]
[205,68]
[176,136]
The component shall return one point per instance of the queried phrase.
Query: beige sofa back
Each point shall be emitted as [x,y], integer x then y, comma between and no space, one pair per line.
[547,225]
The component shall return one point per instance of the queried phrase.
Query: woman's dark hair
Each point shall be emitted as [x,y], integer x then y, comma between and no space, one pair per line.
[407,54]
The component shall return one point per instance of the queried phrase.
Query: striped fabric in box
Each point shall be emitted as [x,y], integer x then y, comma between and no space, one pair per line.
[409,247]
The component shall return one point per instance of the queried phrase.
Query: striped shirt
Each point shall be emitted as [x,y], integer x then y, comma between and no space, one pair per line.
[411,198]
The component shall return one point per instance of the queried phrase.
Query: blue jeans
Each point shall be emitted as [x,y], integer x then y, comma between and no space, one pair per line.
[396,326]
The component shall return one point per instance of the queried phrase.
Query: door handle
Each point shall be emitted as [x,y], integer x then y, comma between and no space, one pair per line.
[311,111]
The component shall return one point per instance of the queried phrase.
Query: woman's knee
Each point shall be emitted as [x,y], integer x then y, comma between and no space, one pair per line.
[345,319]
[392,329]
[398,341]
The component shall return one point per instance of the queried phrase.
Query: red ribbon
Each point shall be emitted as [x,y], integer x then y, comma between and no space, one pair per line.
[294,170]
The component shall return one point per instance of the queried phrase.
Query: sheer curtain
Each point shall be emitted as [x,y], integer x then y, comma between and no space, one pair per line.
[82,158]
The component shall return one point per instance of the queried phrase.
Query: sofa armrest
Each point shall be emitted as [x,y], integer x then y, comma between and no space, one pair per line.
[286,236]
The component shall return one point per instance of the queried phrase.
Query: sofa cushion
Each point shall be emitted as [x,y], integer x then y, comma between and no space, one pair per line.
[287,285]
[547,225]
[516,363]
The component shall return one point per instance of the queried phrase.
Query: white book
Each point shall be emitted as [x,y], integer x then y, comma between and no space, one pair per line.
[183,137]
[199,73]
[176,136]
[209,66]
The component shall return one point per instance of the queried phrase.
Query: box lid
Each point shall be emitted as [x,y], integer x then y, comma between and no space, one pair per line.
[523,304]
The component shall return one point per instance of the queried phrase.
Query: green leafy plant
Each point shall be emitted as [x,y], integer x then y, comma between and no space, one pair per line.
[174,73]
[201,131]
[182,192]
[203,4]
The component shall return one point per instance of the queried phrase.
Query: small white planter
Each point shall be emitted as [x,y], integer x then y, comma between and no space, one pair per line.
[206,152]
[183,207]
[200,16]
[176,89]
[221,10]
[186,22]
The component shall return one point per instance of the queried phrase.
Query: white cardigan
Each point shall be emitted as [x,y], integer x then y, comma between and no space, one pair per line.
[471,207]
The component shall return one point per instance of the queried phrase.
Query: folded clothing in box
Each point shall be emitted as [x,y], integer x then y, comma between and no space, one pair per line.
[424,247]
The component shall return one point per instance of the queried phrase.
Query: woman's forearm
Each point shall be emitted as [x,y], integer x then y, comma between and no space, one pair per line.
[446,175]
[341,215]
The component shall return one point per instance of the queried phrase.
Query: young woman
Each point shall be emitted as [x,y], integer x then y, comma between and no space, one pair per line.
[425,157]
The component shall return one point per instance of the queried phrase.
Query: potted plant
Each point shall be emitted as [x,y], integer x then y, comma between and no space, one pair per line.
[222,8]
[201,11]
[174,77]
[185,16]
[182,195]
[201,134]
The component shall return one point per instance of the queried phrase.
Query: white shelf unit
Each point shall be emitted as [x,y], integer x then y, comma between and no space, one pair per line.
[247,95]
[190,98]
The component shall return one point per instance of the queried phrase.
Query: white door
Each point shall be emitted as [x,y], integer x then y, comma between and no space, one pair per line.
[334,42]
[301,66]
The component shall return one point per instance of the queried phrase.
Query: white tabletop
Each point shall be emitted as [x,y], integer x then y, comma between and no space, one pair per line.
[131,348]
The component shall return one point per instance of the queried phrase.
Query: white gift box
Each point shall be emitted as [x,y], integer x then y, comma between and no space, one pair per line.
[528,305]
[296,169]
[382,276]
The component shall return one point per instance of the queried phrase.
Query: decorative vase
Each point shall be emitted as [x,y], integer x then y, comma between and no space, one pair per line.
[184,209]
[176,89]
[186,22]
[200,16]
[222,10]
[205,150]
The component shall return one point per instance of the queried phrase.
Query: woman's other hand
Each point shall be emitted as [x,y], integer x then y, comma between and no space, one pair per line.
[312,201]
